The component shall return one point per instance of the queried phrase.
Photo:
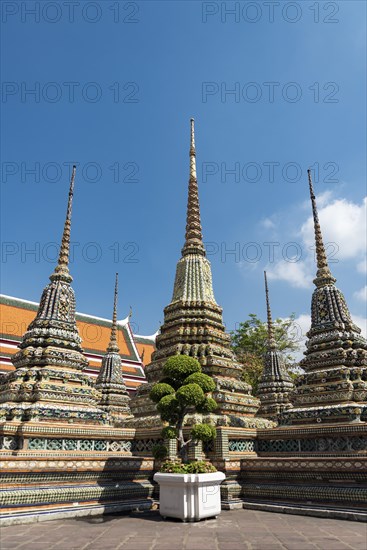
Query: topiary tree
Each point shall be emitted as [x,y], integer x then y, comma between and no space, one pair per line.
[184,389]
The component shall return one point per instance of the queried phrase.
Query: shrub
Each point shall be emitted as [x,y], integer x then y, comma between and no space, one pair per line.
[192,394]
[169,408]
[180,367]
[198,467]
[207,406]
[168,403]
[206,383]
[160,390]
[169,433]
[173,467]
[203,432]
[159,451]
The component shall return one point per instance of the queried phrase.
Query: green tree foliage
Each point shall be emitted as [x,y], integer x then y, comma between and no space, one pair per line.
[184,389]
[253,367]
[249,342]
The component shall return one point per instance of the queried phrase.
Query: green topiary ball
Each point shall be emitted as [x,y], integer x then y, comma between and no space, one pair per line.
[159,451]
[207,406]
[191,394]
[170,382]
[180,367]
[160,390]
[169,432]
[203,432]
[168,403]
[206,383]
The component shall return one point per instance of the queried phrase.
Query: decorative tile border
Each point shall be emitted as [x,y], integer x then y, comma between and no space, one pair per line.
[241,445]
[79,445]
[315,445]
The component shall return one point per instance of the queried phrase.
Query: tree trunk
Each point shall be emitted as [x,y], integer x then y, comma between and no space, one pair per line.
[182,444]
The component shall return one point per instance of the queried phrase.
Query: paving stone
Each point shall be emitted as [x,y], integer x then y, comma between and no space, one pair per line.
[233,530]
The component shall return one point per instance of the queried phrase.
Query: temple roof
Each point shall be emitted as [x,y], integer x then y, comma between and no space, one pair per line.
[17,314]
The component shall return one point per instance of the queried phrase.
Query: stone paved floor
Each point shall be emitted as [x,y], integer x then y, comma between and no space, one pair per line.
[237,529]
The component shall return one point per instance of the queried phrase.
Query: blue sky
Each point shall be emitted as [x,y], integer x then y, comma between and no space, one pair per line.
[115,85]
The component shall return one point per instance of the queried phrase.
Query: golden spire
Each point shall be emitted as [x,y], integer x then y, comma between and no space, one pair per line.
[112,346]
[193,237]
[62,268]
[271,338]
[323,275]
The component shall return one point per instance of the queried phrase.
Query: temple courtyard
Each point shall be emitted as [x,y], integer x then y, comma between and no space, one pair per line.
[234,529]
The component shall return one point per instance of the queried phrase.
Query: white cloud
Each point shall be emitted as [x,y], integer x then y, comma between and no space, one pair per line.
[303,322]
[361,322]
[298,333]
[343,223]
[361,294]
[302,325]
[267,223]
[296,274]
[323,199]
[362,266]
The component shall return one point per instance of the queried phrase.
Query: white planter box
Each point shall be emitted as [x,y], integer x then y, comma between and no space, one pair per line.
[189,497]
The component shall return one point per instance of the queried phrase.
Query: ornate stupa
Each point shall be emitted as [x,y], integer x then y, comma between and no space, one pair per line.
[334,385]
[48,383]
[276,385]
[114,397]
[193,326]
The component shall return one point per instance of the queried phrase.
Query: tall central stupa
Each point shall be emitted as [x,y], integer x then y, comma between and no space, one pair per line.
[193,326]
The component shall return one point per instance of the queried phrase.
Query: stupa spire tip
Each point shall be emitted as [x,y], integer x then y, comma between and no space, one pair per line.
[271,339]
[113,339]
[193,237]
[323,275]
[62,268]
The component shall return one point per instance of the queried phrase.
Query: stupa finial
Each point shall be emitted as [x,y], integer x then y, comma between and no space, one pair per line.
[193,174]
[62,268]
[113,346]
[193,237]
[271,338]
[323,275]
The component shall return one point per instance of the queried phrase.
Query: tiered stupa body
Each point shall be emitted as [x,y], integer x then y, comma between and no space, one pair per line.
[48,383]
[193,326]
[114,397]
[334,386]
[276,385]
